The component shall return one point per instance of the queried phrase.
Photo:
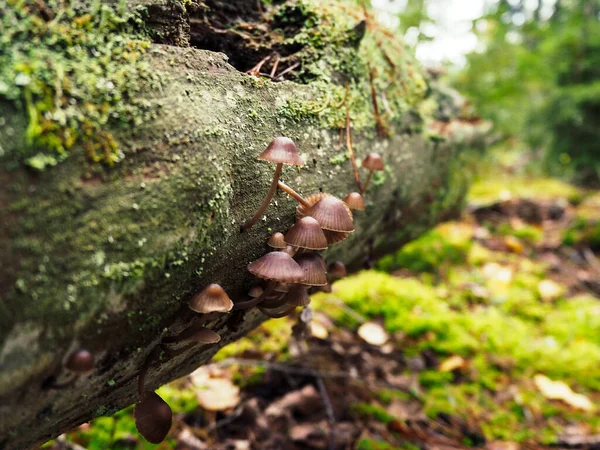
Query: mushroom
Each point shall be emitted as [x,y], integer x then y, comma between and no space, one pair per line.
[297,296]
[337,270]
[195,335]
[332,215]
[80,362]
[303,210]
[278,312]
[281,150]
[306,233]
[212,298]
[274,266]
[314,267]
[153,417]
[255,291]
[276,241]
[374,163]
[355,201]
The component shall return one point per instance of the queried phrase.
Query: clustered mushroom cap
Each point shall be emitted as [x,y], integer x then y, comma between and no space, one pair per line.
[255,291]
[303,211]
[277,266]
[281,287]
[203,336]
[306,233]
[153,418]
[277,312]
[276,241]
[289,250]
[314,267]
[297,296]
[212,298]
[282,150]
[334,237]
[331,214]
[80,361]
[337,270]
[373,162]
[355,201]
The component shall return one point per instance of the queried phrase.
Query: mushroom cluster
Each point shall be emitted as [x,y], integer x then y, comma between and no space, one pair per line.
[285,274]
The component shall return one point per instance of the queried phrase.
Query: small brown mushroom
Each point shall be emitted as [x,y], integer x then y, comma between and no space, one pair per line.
[276,241]
[373,163]
[281,150]
[331,214]
[337,270]
[278,312]
[255,291]
[212,298]
[297,296]
[153,417]
[303,211]
[355,201]
[306,233]
[81,362]
[314,267]
[195,335]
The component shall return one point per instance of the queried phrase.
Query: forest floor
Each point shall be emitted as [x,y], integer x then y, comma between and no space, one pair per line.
[485,332]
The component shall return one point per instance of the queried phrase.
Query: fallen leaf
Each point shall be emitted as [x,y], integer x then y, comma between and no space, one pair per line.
[549,290]
[452,363]
[373,333]
[557,390]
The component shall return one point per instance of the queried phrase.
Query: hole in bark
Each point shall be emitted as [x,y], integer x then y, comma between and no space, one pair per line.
[248,32]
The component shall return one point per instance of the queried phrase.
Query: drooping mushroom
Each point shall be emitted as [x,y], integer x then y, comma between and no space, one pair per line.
[281,150]
[314,268]
[373,163]
[355,201]
[212,298]
[195,335]
[276,241]
[153,417]
[332,215]
[306,233]
[274,266]
[337,270]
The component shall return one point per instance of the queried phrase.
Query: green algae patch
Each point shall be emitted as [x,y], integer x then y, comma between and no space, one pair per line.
[76,75]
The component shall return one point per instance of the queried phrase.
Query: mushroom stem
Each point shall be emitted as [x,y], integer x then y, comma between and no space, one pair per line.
[364,187]
[292,193]
[255,301]
[349,137]
[250,222]
[274,302]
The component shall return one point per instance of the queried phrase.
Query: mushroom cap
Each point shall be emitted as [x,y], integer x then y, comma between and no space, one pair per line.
[255,291]
[212,298]
[355,201]
[306,233]
[281,287]
[314,267]
[337,270]
[373,162]
[277,266]
[276,241]
[203,336]
[333,237]
[153,417]
[282,150]
[289,250]
[331,214]
[80,361]
[302,211]
[297,296]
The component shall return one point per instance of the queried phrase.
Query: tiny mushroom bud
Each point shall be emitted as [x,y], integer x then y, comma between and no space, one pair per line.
[337,270]
[80,362]
[255,291]
[355,201]
[153,418]
[314,267]
[373,163]
[276,241]
[332,215]
[212,298]
[306,233]
[281,150]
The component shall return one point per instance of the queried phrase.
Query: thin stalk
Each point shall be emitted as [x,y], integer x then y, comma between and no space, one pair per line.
[349,136]
[292,193]
[364,188]
[250,222]
[255,301]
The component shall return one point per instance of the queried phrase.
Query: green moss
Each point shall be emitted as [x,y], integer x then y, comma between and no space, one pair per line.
[77,76]
[372,411]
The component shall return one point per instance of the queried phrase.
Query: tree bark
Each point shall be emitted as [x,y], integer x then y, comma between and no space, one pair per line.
[107,259]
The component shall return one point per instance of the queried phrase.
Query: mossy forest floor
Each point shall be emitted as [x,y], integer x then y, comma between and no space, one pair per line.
[477,316]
